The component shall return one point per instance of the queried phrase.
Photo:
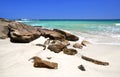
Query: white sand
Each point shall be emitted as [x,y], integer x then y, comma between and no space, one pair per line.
[14,61]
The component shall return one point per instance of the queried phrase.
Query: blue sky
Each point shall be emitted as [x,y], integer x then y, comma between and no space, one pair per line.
[60,9]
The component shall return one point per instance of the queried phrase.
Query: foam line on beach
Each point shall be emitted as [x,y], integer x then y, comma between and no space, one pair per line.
[108,43]
[117,24]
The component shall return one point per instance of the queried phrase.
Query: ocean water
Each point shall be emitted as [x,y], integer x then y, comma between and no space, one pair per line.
[96,31]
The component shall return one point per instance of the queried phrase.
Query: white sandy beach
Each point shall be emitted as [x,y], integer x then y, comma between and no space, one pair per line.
[14,61]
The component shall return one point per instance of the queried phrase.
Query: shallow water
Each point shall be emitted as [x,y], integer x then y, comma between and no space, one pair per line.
[97,31]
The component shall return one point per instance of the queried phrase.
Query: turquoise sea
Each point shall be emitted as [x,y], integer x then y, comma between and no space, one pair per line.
[96,31]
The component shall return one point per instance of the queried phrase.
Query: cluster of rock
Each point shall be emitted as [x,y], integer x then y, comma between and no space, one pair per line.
[22,33]
[62,45]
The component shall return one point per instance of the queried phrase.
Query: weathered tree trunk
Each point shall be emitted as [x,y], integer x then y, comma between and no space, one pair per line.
[95,61]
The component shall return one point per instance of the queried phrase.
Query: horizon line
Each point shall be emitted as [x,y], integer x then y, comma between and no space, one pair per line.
[57,19]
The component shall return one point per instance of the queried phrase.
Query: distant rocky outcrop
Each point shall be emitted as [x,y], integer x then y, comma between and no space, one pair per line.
[5,20]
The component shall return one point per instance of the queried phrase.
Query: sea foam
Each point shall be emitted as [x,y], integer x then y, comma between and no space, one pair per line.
[117,24]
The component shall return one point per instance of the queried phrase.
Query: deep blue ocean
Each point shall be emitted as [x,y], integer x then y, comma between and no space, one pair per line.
[97,31]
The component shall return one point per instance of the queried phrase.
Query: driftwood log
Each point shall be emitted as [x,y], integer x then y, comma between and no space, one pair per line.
[41,45]
[95,61]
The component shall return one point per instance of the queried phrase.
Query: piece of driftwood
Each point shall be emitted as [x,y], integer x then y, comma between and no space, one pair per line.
[41,45]
[95,61]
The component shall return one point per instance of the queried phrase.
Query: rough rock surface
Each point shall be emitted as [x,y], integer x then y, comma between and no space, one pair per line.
[56,47]
[39,63]
[82,68]
[20,32]
[17,32]
[68,36]
[53,35]
[65,42]
[4,31]
[84,43]
[4,28]
[70,51]
[77,45]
